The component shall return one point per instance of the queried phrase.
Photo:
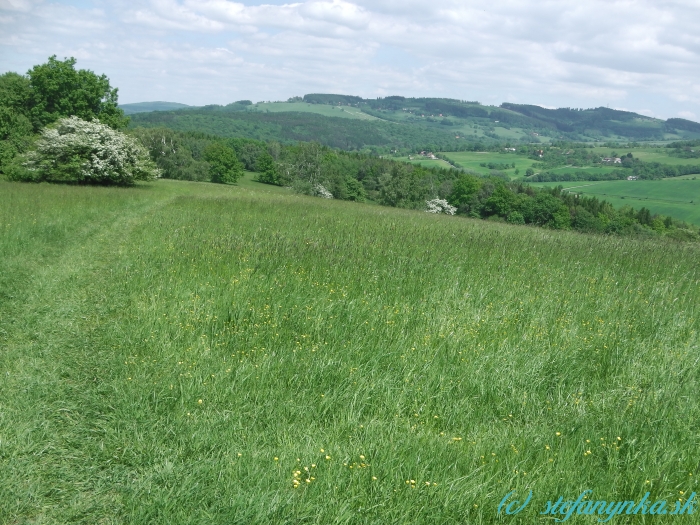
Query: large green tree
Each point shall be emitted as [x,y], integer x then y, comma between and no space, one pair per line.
[59,90]
[15,92]
[464,190]
[501,202]
[404,187]
[224,166]
[267,170]
[15,135]
[15,127]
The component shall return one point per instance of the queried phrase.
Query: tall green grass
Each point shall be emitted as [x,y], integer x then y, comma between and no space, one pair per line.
[193,353]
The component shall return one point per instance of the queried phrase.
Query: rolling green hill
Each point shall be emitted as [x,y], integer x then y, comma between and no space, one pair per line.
[344,132]
[183,352]
[416,123]
[306,107]
[602,123]
[517,122]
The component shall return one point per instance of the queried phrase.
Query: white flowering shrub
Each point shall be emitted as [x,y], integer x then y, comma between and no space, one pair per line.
[75,150]
[321,191]
[440,206]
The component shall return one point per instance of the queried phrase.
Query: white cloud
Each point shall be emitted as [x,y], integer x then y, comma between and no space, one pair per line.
[18,5]
[636,53]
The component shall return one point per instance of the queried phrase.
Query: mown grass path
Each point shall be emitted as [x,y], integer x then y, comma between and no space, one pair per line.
[191,353]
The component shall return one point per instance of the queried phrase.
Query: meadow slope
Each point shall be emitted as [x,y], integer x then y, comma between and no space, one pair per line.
[194,353]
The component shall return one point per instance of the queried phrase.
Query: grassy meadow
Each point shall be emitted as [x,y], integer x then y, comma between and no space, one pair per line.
[678,197]
[181,353]
[472,160]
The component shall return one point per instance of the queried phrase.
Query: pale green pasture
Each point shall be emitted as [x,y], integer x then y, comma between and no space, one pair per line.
[320,109]
[679,198]
[509,134]
[566,184]
[472,159]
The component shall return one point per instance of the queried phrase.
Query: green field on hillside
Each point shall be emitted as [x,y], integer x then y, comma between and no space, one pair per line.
[677,197]
[320,109]
[472,160]
[192,353]
[511,133]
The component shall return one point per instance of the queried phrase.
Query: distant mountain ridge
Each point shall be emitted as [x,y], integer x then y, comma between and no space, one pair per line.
[617,121]
[430,123]
[145,107]
[570,121]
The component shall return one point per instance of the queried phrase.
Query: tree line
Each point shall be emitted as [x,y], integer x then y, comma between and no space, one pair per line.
[640,169]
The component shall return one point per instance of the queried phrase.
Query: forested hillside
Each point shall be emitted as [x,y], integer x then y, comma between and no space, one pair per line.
[347,134]
[605,122]
[411,124]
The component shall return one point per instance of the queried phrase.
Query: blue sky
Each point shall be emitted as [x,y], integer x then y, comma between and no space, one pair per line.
[637,55]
